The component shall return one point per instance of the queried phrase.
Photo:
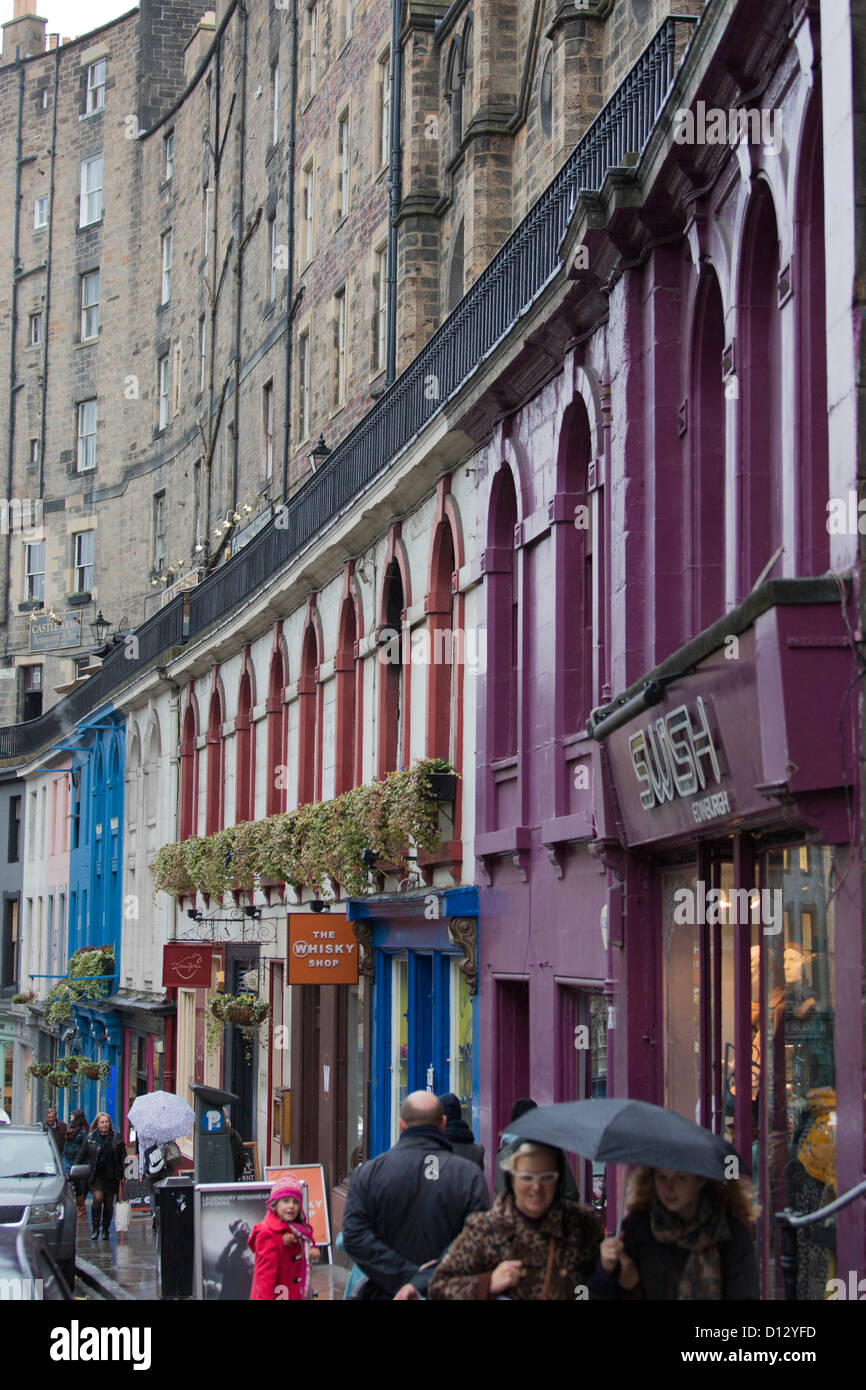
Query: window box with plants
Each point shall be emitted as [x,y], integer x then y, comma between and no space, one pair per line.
[23,998]
[316,844]
[89,974]
[79,598]
[30,605]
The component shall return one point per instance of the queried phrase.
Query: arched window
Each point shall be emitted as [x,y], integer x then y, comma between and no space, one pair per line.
[454,94]
[445,648]
[545,96]
[760,385]
[704,569]
[466,78]
[456,272]
[275,795]
[392,672]
[347,670]
[151,785]
[188,775]
[811,434]
[309,723]
[574,570]
[502,619]
[245,772]
[215,764]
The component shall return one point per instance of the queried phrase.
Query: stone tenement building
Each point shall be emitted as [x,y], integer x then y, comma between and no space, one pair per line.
[159,305]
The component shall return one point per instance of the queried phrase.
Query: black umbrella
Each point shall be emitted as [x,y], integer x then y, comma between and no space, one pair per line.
[628,1131]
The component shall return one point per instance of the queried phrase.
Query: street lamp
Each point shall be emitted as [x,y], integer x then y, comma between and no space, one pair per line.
[99,627]
[319,454]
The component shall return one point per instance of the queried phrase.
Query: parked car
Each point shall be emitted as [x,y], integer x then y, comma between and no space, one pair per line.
[28,1270]
[35,1194]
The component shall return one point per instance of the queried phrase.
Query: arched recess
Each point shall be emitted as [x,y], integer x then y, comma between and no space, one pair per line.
[245,751]
[275,790]
[215,761]
[189,770]
[704,568]
[760,382]
[454,93]
[152,768]
[394,669]
[457,268]
[348,674]
[446,636]
[310,712]
[811,435]
[573,576]
[503,612]
[133,779]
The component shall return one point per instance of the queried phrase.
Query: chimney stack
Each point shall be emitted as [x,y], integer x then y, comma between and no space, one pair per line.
[26,32]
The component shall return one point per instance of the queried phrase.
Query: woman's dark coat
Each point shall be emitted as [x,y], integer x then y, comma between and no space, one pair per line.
[661,1265]
[89,1154]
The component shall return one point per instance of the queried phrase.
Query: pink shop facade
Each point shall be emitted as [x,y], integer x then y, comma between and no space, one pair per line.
[667,794]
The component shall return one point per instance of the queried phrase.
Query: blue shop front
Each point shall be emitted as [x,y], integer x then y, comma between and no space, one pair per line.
[421,961]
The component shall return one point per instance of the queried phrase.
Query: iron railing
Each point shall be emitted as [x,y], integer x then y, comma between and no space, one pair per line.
[503,292]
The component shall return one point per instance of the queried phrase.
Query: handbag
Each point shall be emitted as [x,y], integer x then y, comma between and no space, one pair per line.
[365,1290]
[122,1215]
[154,1161]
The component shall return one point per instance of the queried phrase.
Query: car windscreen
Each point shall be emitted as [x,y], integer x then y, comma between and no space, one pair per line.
[26,1155]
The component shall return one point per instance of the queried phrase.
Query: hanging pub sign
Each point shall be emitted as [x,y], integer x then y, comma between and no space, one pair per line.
[186,967]
[46,635]
[323,949]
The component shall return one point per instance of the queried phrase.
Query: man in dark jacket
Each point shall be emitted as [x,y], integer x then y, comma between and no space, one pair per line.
[405,1207]
[55,1127]
[457,1131]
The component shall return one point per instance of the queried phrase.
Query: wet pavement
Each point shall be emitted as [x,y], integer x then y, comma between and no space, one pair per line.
[129,1259]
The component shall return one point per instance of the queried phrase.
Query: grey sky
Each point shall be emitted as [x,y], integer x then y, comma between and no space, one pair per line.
[69,18]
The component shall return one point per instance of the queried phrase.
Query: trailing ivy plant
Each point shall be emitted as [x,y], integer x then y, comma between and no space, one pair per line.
[318,842]
[86,962]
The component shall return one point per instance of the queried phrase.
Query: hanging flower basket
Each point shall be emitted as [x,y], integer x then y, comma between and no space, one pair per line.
[245,1010]
[71,1063]
[61,1080]
[40,1069]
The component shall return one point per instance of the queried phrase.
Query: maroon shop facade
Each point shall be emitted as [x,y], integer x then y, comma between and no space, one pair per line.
[728,823]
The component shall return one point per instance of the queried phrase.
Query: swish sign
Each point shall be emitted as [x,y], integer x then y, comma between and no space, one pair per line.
[675,756]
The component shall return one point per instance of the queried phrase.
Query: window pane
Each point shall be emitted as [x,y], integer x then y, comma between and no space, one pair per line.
[399,1040]
[460,1050]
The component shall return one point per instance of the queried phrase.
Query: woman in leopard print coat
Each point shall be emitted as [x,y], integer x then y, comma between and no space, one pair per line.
[532,1244]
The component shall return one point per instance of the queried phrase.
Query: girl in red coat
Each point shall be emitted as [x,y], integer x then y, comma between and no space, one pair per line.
[279,1244]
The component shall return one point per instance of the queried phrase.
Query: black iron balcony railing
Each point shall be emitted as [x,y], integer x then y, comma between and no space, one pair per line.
[504,291]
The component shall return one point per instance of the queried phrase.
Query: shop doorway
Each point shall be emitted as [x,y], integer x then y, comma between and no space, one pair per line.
[512,1048]
[241,1050]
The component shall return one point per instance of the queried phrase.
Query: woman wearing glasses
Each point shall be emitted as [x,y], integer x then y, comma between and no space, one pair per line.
[532,1244]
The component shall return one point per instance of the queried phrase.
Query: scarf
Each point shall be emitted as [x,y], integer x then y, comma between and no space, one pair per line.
[701,1279]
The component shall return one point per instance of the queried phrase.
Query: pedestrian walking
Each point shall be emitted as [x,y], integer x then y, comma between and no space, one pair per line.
[522,1107]
[76,1136]
[457,1131]
[685,1238]
[406,1206]
[283,1246]
[105,1152]
[533,1244]
[56,1128]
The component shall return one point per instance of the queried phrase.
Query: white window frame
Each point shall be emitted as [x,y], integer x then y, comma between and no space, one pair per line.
[202,352]
[272,272]
[82,561]
[34,329]
[176,377]
[312,49]
[268,427]
[346,21]
[162,374]
[95,89]
[339,374]
[343,160]
[165,257]
[381,308]
[275,102]
[40,204]
[34,570]
[34,452]
[159,548]
[89,307]
[309,206]
[304,384]
[168,146]
[87,415]
[90,210]
[384,76]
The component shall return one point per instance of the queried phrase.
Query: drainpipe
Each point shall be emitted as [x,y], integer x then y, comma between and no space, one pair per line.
[394,191]
[239,265]
[16,246]
[290,307]
[47,311]
[213,272]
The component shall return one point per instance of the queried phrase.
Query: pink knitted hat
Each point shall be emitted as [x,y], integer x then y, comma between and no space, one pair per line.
[287,1187]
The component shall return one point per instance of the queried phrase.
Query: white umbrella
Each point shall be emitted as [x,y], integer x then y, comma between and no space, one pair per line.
[161,1116]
